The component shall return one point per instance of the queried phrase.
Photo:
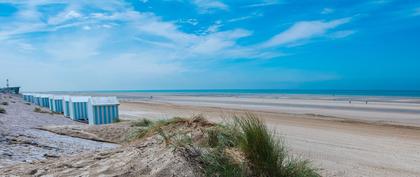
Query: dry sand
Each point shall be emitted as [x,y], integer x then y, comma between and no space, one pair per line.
[21,141]
[341,139]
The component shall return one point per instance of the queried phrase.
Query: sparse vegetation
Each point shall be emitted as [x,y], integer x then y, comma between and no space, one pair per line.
[244,147]
[2,110]
[267,156]
[4,103]
[39,110]
[142,123]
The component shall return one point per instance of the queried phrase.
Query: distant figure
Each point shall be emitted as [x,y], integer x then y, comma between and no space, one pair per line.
[349,101]
[366,101]
[151,97]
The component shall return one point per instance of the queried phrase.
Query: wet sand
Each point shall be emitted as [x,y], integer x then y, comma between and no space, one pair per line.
[378,139]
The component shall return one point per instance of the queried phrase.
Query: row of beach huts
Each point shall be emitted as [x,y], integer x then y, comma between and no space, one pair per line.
[94,110]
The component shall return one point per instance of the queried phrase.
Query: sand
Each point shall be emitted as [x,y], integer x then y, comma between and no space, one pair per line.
[21,141]
[342,139]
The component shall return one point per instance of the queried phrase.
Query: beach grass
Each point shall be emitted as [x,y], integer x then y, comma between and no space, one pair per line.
[5,103]
[266,154]
[2,110]
[242,147]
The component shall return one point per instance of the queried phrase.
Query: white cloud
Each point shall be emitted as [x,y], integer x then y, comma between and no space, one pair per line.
[304,30]
[206,6]
[342,34]
[327,11]
[253,15]
[262,4]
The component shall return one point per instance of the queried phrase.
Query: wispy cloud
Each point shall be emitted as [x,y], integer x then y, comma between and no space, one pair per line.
[206,6]
[261,4]
[327,11]
[253,15]
[304,30]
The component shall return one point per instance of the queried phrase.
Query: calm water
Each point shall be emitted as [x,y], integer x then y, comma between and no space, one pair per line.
[381,93]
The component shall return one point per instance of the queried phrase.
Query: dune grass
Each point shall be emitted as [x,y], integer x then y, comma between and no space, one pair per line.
[39,110]
[266,154]
[4,103]
[244,147]
[2,110]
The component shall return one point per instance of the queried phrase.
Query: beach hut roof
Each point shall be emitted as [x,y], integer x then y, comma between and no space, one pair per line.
[58,97]
[66,98]
[104,101]
[80,98]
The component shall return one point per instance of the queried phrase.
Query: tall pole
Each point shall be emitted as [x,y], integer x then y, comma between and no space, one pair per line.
[7,83]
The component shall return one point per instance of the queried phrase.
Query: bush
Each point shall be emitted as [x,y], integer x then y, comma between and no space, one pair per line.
[266,155]
[5,103]
[218,163]
[39,110]
[142,123]
[2,110]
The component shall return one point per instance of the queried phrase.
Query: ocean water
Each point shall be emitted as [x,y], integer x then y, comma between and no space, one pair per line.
[230,92]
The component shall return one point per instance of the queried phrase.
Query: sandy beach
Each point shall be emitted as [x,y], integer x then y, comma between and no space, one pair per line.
[380,138]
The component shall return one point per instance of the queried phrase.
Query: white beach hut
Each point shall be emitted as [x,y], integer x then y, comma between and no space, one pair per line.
[66,106]
[79,107]
[57,104]
[103,110]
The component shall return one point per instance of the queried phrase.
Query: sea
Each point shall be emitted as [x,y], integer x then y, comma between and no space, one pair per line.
[265,92]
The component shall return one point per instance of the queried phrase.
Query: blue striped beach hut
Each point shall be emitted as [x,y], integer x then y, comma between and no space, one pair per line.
[25,97]
[57,104]
[37,99]
[103,110]
[79,107]
[51,102]
[44,100]
[66,106]
[31,98]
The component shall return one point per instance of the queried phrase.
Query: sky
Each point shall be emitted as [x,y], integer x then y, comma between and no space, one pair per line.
[68,45]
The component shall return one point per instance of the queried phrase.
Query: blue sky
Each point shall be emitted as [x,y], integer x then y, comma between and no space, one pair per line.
[210,44]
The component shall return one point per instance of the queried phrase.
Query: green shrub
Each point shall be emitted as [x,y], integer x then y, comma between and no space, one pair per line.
[2,110]
[218,163]
[266,155]
[39,110]
[142,123]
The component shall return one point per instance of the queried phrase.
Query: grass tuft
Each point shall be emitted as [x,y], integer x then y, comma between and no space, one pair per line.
[267,155]
[217,163]
[39,110]
[2,110]
[142,123]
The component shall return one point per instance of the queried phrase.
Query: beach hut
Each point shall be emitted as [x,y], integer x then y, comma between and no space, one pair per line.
[102,110]
[50,102]
[37,100]
[31,98]
[66,106]
[44,100]
[25,97]
[79,107]
[57,104]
